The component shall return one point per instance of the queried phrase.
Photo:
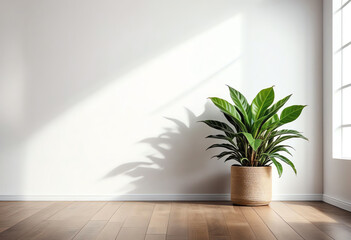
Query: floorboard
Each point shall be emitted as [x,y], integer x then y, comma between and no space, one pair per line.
[159,219]
[197,229]
[26,225]
[237,224]
[216,221]
[276,224]
[91,230]
[259,228]
[110,231]
[172,221]
[107,211]
[178,221]
[323,220]
[301,225]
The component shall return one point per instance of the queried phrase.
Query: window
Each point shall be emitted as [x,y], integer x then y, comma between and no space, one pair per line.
[342,79]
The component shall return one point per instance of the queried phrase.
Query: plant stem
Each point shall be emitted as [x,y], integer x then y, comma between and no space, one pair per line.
[252,158]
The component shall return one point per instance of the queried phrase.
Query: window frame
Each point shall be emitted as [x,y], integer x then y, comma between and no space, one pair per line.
[339,47]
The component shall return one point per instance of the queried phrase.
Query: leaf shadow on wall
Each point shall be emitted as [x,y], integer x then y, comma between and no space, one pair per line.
[180,164]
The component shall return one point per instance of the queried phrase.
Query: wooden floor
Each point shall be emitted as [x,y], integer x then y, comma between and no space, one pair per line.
[172,220]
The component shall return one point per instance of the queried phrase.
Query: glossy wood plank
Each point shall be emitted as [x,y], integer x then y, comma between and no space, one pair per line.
[215,219]
[300,224]
[107,211]
[155,237]
[14,212]
[340,215]
[176,237]
[276,224]
[131,233]
[178,221]
[220,238]
[55,230]
[259,228]
[91,230]
[79,211]
[9,208]
[66,223]
[197,223]
[237,224]
[159,219]
[140,216]
[136,221]
[123,212]
[323,221]
[29,223]
[110,231]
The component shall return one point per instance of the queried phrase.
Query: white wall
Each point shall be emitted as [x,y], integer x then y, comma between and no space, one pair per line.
[102,98]
[337,172]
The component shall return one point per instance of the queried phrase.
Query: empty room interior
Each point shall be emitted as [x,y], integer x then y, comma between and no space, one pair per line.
[173,120]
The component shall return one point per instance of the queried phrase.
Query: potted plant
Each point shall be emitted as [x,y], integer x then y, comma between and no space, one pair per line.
[254,141]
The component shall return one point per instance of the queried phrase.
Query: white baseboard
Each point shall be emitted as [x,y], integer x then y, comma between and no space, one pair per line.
[124,197]
[337,202]
[297,197]
[152,197]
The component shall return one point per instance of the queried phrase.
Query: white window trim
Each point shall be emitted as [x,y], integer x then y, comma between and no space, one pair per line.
[338,86]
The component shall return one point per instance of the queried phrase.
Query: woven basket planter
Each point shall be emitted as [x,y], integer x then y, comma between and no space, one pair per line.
[251,186]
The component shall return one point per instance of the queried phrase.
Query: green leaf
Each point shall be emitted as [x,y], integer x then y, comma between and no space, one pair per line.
[244,159]
[281,148]
[240,102]
[222,154]
[231,158]
[270,118]
[278,105]
[284,138]
[222,137]
[229,110]
[225,106]
[222,145]
[291,113]
[261,102]
[232,120]
[288,131]
[220,126]
[250,116]
[286,160]
[278,166]
[239,126]
[254,143]
[271,122]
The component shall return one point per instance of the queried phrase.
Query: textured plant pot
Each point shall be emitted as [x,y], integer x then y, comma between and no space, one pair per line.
[251,186]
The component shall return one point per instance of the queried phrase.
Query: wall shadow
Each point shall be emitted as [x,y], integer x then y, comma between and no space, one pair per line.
[57,54]
[59,61]
[180,164]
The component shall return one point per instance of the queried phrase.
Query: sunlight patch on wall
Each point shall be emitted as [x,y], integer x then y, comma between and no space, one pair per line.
[91,147]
